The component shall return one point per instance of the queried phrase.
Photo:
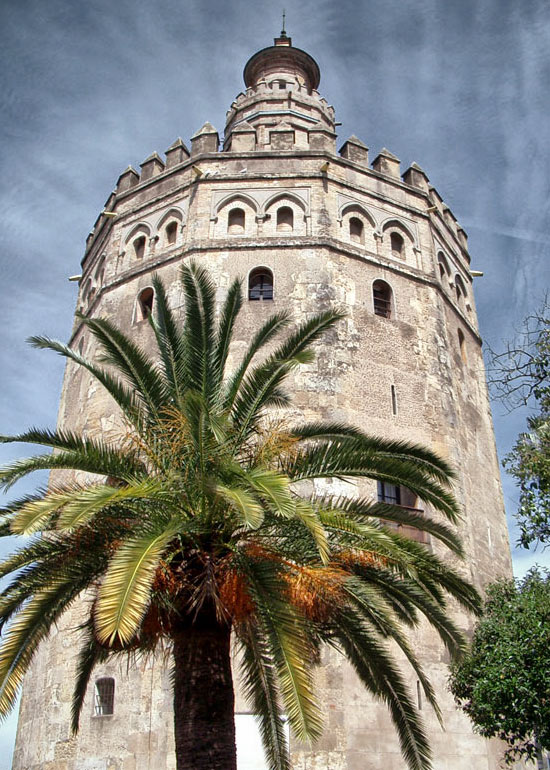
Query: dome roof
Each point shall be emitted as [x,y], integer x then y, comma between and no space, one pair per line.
[279,58]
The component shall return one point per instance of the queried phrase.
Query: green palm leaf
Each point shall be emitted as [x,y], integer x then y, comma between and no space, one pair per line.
[124,594]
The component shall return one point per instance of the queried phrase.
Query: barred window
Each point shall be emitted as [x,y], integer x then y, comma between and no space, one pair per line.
[381,297]
[260,284]
[104,699]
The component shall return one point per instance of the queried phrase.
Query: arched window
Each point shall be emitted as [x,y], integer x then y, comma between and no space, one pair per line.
[145,303]
[235,221]
[260,284]
[104,697]
[171,233]
[443,266]
[285,219]
[460,289]
[462,346]
[139,246]
[381,298]
[356,230]
[86,291]
[397,245]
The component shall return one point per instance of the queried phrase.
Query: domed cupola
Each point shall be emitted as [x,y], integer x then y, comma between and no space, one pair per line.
[281,109]
[282,62]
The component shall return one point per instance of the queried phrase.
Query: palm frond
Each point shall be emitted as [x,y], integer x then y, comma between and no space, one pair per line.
[127,400]
[132,362]
[250,512]
[169,340]
[259,384]
[90,654]
[263,336]
[199,331]
[226,325]
[380,675]
[124,594]
[289,647]
[261,690]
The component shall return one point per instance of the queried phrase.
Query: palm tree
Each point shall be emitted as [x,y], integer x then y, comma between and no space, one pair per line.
[196,529]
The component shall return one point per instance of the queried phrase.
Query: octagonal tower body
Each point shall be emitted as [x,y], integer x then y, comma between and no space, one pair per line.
[332,231]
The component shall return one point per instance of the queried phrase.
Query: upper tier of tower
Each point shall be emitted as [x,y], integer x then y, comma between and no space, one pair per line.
[281,107]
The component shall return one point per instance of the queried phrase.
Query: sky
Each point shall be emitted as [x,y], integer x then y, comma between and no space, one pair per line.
[459,86]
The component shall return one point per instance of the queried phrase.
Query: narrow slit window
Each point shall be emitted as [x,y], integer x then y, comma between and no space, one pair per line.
[381,297]
[145,303]
[104,697]
[397,245]
[462,346]
[285,219]
[260,284]
[356,230]
[235,221]
[393,400]
[139,247]
[171,233]
[419,695]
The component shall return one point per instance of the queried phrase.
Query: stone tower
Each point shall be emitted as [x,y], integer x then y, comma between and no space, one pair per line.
[306,227]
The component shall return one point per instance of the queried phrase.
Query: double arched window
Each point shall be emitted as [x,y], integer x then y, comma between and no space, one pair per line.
[260,284]
[382,298]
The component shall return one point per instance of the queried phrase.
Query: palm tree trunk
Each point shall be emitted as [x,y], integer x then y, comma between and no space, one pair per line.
[204,701]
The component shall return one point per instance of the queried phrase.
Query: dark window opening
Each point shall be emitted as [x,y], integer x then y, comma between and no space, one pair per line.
[104,701]
[392,494]
[381,296]
[285,219]
[396,243]
[393,400]
[145,302]
[260,284]
[139,247]
[356,230]
[171,233]
[389,493]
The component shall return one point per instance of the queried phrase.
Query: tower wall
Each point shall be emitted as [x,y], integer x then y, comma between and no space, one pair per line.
[410,376]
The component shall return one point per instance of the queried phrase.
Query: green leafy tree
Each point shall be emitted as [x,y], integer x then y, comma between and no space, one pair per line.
[503,683]
[196,525]
[520,376]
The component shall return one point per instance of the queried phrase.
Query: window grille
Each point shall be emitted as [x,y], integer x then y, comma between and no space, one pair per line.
[104,701]
[260,285]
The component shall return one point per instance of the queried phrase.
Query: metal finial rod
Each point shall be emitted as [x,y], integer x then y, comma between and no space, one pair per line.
[283,31]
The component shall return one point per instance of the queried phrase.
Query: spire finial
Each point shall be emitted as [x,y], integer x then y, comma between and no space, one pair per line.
[283,31]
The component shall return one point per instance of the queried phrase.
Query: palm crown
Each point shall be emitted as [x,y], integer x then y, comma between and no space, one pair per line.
[197,528]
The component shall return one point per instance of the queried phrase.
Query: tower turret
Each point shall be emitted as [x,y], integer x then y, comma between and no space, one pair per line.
[281,88]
